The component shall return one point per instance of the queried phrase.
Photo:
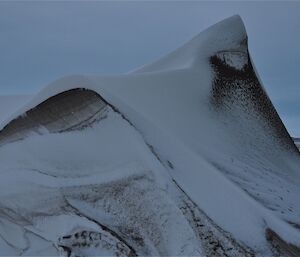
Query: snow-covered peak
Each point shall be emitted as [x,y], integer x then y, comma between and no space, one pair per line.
[226,35]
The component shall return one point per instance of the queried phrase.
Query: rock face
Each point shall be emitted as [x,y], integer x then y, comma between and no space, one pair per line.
[183,157]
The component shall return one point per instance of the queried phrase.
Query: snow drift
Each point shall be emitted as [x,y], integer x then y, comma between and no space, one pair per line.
[141,158]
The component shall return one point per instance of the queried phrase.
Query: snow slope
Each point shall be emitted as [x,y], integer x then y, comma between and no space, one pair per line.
[198,121]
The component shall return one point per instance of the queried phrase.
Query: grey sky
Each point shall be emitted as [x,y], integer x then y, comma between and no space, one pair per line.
[41,41]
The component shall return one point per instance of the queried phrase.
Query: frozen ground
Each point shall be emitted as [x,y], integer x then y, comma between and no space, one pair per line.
[186,156]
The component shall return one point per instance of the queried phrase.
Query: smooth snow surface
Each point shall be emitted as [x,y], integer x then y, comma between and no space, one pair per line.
[163,130]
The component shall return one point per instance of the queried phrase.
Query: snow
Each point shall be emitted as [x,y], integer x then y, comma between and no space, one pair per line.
[225,35]
[229,164]
[57,168]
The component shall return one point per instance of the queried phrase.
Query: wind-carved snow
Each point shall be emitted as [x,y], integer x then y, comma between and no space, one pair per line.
[189,158]
[108,181]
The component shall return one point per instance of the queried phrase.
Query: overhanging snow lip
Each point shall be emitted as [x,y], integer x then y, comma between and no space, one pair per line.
[56,87]
[71,109]
[229,25]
